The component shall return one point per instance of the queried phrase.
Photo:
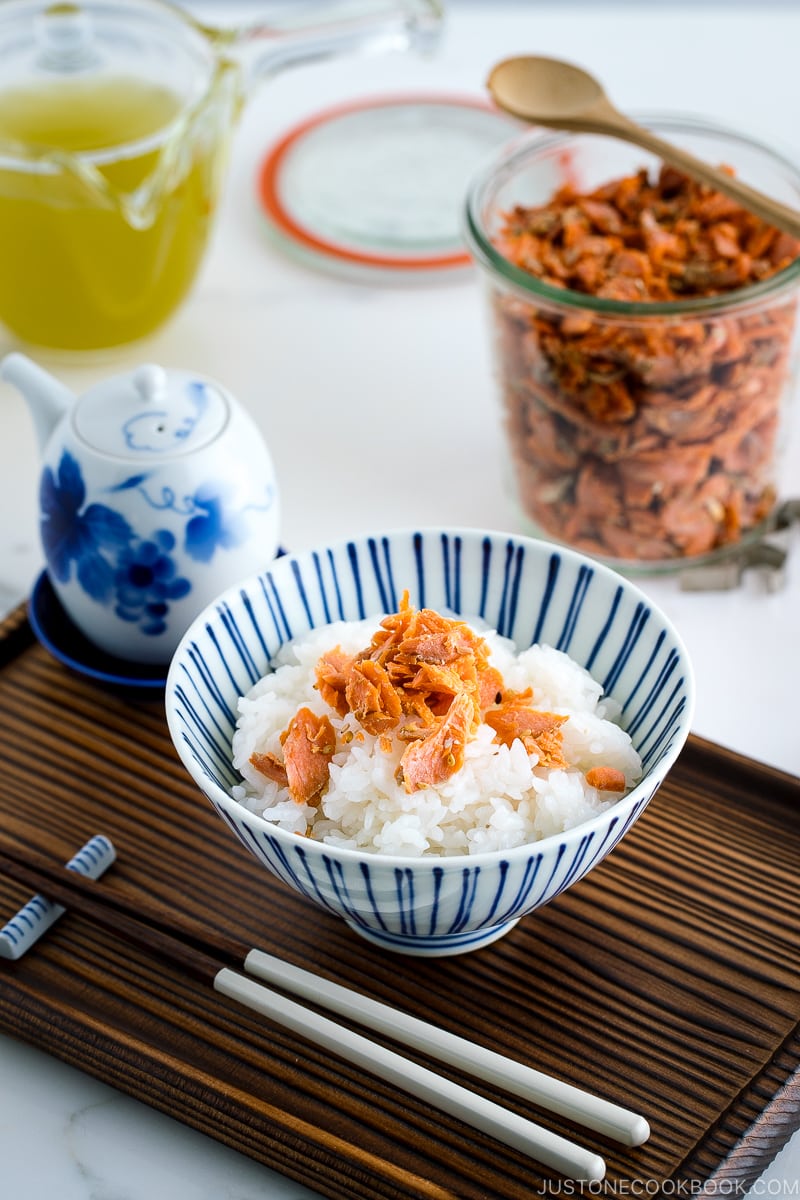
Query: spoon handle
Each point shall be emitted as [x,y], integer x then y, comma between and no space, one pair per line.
[772,211]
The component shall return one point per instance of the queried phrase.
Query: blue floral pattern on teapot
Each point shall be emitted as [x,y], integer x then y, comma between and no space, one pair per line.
[156,493]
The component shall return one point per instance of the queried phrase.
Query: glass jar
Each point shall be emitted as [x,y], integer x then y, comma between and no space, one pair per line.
[646,433]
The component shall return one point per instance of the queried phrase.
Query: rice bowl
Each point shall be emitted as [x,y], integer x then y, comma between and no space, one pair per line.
[445,901]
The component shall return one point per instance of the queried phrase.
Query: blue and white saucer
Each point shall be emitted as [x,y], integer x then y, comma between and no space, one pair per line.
[58,634]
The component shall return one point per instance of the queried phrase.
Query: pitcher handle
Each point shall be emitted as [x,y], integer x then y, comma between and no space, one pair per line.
[343,27]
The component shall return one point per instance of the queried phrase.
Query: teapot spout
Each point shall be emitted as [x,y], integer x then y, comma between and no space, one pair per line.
[47,398]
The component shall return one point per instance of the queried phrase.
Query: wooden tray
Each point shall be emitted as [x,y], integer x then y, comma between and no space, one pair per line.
[667,980]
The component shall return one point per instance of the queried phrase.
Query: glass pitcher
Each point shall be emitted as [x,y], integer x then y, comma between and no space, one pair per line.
[115,120]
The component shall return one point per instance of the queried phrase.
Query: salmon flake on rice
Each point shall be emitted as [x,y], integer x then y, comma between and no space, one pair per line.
[482,792]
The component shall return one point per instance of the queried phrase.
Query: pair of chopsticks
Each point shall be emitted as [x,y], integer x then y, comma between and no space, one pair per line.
[211,957]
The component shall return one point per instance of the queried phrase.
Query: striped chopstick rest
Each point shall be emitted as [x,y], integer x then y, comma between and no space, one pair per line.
[38,914]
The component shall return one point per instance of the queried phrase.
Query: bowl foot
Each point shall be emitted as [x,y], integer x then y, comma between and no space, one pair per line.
[442,946]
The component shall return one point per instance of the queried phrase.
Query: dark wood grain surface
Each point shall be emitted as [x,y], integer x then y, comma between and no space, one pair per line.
[667,980]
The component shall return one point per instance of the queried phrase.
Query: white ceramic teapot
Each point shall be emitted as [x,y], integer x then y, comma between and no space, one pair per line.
[157,492]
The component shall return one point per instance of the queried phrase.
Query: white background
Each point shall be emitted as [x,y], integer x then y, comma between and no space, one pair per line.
[377,404]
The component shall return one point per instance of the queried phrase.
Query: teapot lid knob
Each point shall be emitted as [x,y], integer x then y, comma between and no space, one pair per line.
[150,382]
[66,38]
[151,414]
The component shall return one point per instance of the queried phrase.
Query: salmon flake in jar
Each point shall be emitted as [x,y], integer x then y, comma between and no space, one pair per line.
[644,331]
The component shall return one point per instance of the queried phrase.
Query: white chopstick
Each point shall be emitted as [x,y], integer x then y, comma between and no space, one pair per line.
[546,1147]
[514,1077]
[508,1127]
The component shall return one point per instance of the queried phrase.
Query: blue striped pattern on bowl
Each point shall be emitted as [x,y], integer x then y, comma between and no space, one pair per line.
[529,591]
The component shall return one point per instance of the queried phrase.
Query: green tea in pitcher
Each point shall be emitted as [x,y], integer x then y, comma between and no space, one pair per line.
[106,198]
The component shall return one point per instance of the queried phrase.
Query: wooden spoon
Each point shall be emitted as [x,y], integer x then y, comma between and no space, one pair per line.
[561,96]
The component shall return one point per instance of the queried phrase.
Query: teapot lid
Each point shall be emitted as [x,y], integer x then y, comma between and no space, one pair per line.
[151,414]
[42,42]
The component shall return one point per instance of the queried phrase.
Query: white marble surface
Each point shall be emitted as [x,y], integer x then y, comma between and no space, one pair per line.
[325,367]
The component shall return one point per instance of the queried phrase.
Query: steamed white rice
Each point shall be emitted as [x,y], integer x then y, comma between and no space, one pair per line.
[501,797]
